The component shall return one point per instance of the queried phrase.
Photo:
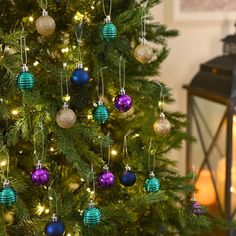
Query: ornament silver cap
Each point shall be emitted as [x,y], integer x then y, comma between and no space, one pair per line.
[127,167]
[162,115]
[80,65]
[54,217]
[65,106]
[39,165]
[100,102]
[45,13]
[6,183]
[105,167]
[91,204]
[152,174]
[24,68]
[122,91]
[107,19]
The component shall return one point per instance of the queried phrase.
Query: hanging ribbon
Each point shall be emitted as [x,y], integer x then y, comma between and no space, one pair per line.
[104,9]
[23,47]
[91,173]
[40,131]
[53,196]
[100,80]
[122,82]
[78,36]
[149,158]
[125,146]
[67,87]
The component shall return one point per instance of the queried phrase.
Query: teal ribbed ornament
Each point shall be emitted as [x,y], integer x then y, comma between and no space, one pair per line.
[7,195]
[108,32]
[152,184]
[92,216]
[100,113]
[25,80]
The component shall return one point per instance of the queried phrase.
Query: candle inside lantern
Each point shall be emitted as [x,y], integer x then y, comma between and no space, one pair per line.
[205,192]
[221,182]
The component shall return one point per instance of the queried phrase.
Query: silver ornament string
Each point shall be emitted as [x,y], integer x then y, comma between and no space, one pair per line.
[162,98]
[42,140]
[100,77]
[67,87]
[93,181]
[23,47]
[143,24]
[44,4]
[104,9]
[194,177]
[121,62]
[78,36]
[52,192]
[149,158]
[125,146]
[5,177]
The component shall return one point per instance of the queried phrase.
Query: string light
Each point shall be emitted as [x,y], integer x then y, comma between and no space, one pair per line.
[89,117]
[64,50]
[113,152]
[65,64]
[31,18]
[68,234]
[82,179]
[86,68]
[66,98]
[78,16]
[35,63]
[40,209]
[14,112]
[92,7]
[136,135]
[47,211]
[52,149]
[3,163]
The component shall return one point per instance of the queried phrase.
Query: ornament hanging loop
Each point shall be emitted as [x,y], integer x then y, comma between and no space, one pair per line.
[125,146]
[122,80]
[64,72]
[108,16]
[53,196]
[100,80]
[91,173]
[3,149]
[23,49]
[40,131]
[149,158]
[143,24]
[162,99]
[78,36]
[194,179]
[44,5]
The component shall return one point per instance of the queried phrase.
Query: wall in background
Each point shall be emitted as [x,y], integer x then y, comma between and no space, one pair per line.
[198,42]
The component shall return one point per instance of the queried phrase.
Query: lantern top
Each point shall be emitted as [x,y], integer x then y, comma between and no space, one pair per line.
[229,44]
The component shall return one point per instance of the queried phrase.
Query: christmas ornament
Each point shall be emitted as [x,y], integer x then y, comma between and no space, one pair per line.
[92,215]
[25,80]
[45,24]
[196,207]
[54,227]
[40,175]
[65,118]
[162,126]
[123,102]
[152,184]
[106,178]
[128,177]
[100,113]
[108,30]
[8,195]
[143,53]
[79,77]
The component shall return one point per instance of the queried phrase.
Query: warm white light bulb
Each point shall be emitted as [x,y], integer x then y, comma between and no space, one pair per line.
[31,18]
[113,152]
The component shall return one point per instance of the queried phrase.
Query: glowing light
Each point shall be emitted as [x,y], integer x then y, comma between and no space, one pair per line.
[3,163]
[20,151]
[52,149]
[66,98]
[86,68]
[88,190]
[113,152]
[82,179]
[14,112]
[35,63]
[50,198]
[89,117]
[31,18]
[160,104]
[27,49]
[137,135]
[64,64]
[92,7]
[78,16]
[40,209]
[68,234]
[64,50]
[47,211]
[1,100]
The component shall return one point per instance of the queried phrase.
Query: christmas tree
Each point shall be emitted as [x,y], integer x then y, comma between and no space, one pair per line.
[77,134]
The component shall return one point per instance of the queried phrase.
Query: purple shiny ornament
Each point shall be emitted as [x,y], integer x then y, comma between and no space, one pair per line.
[106,179]
[40,175]
[196,208]
[123,102]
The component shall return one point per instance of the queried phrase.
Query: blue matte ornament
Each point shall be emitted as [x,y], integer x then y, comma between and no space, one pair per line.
[152,184]
[8,195]
[79,77]
[54,228]
[100,113]
[25,80]
[128,177]
[92,215]
[108,30]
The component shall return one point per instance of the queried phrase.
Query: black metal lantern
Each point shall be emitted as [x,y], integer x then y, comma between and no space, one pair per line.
[215,82]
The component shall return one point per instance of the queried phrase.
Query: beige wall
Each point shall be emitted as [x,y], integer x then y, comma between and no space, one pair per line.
[198,42]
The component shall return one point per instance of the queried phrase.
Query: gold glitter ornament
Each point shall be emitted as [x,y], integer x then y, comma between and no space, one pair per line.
[162,125]
[45,24]
[65,118]
[143,53]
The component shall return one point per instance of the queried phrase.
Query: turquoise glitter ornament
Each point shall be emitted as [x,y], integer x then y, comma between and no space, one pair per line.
[108,30]
[8,195]
[25,80]
[100,113]
[92,215]
[152,184]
